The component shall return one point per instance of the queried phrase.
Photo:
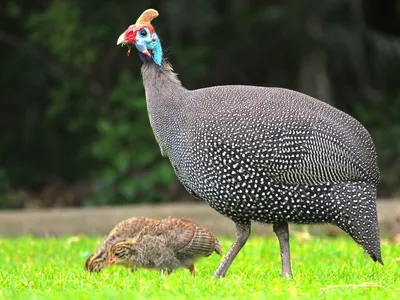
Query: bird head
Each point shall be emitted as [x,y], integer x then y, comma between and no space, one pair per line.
[122,252]
[96,262]
[143,37]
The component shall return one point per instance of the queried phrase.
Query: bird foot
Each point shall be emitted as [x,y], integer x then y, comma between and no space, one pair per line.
[217,275]
[192,271]
[287,276]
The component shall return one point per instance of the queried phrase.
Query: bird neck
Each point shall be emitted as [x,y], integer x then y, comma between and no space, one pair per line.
[159,76]
[165,97]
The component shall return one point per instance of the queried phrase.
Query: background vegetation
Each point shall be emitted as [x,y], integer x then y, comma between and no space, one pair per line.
[73,120]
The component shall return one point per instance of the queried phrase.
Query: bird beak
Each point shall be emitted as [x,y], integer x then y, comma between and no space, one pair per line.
[111,261]
[122,40]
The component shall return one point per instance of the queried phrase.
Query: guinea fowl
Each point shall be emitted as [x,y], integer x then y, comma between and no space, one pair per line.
[166,245]
[129,228]
[270,155]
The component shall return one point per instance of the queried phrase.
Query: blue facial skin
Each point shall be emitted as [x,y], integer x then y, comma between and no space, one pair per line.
[145,41]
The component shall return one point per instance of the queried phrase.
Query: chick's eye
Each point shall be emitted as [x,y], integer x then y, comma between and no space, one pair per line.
[143,32]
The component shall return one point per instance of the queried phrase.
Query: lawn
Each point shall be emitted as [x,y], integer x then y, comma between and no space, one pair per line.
[325,268]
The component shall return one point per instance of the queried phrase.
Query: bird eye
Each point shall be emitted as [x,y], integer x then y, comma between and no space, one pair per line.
[143,32]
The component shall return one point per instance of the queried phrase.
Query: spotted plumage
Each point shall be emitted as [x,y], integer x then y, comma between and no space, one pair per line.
[271,155]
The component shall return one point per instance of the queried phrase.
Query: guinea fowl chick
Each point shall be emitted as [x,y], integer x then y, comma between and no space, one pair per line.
[128,228]
[166,245]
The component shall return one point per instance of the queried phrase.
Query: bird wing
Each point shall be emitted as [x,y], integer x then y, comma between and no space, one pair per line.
[282,134]
[307,147]
[313,153]
[185,237]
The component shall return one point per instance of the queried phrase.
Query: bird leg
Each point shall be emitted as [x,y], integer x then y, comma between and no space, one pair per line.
[282,232]
[242,234]
[166,271]
[133,269]
[191,269]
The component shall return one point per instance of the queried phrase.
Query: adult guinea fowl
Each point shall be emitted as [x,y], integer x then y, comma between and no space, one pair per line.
[271,155]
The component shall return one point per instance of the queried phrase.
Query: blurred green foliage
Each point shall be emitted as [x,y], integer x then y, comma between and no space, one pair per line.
[133,166]
[72,106]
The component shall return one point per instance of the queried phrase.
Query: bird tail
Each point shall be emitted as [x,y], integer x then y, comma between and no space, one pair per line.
[203,239]
[355,213]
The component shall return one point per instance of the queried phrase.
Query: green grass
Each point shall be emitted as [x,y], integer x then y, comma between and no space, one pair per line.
[324,268]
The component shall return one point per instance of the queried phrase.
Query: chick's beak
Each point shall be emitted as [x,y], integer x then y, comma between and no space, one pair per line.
[111,261]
